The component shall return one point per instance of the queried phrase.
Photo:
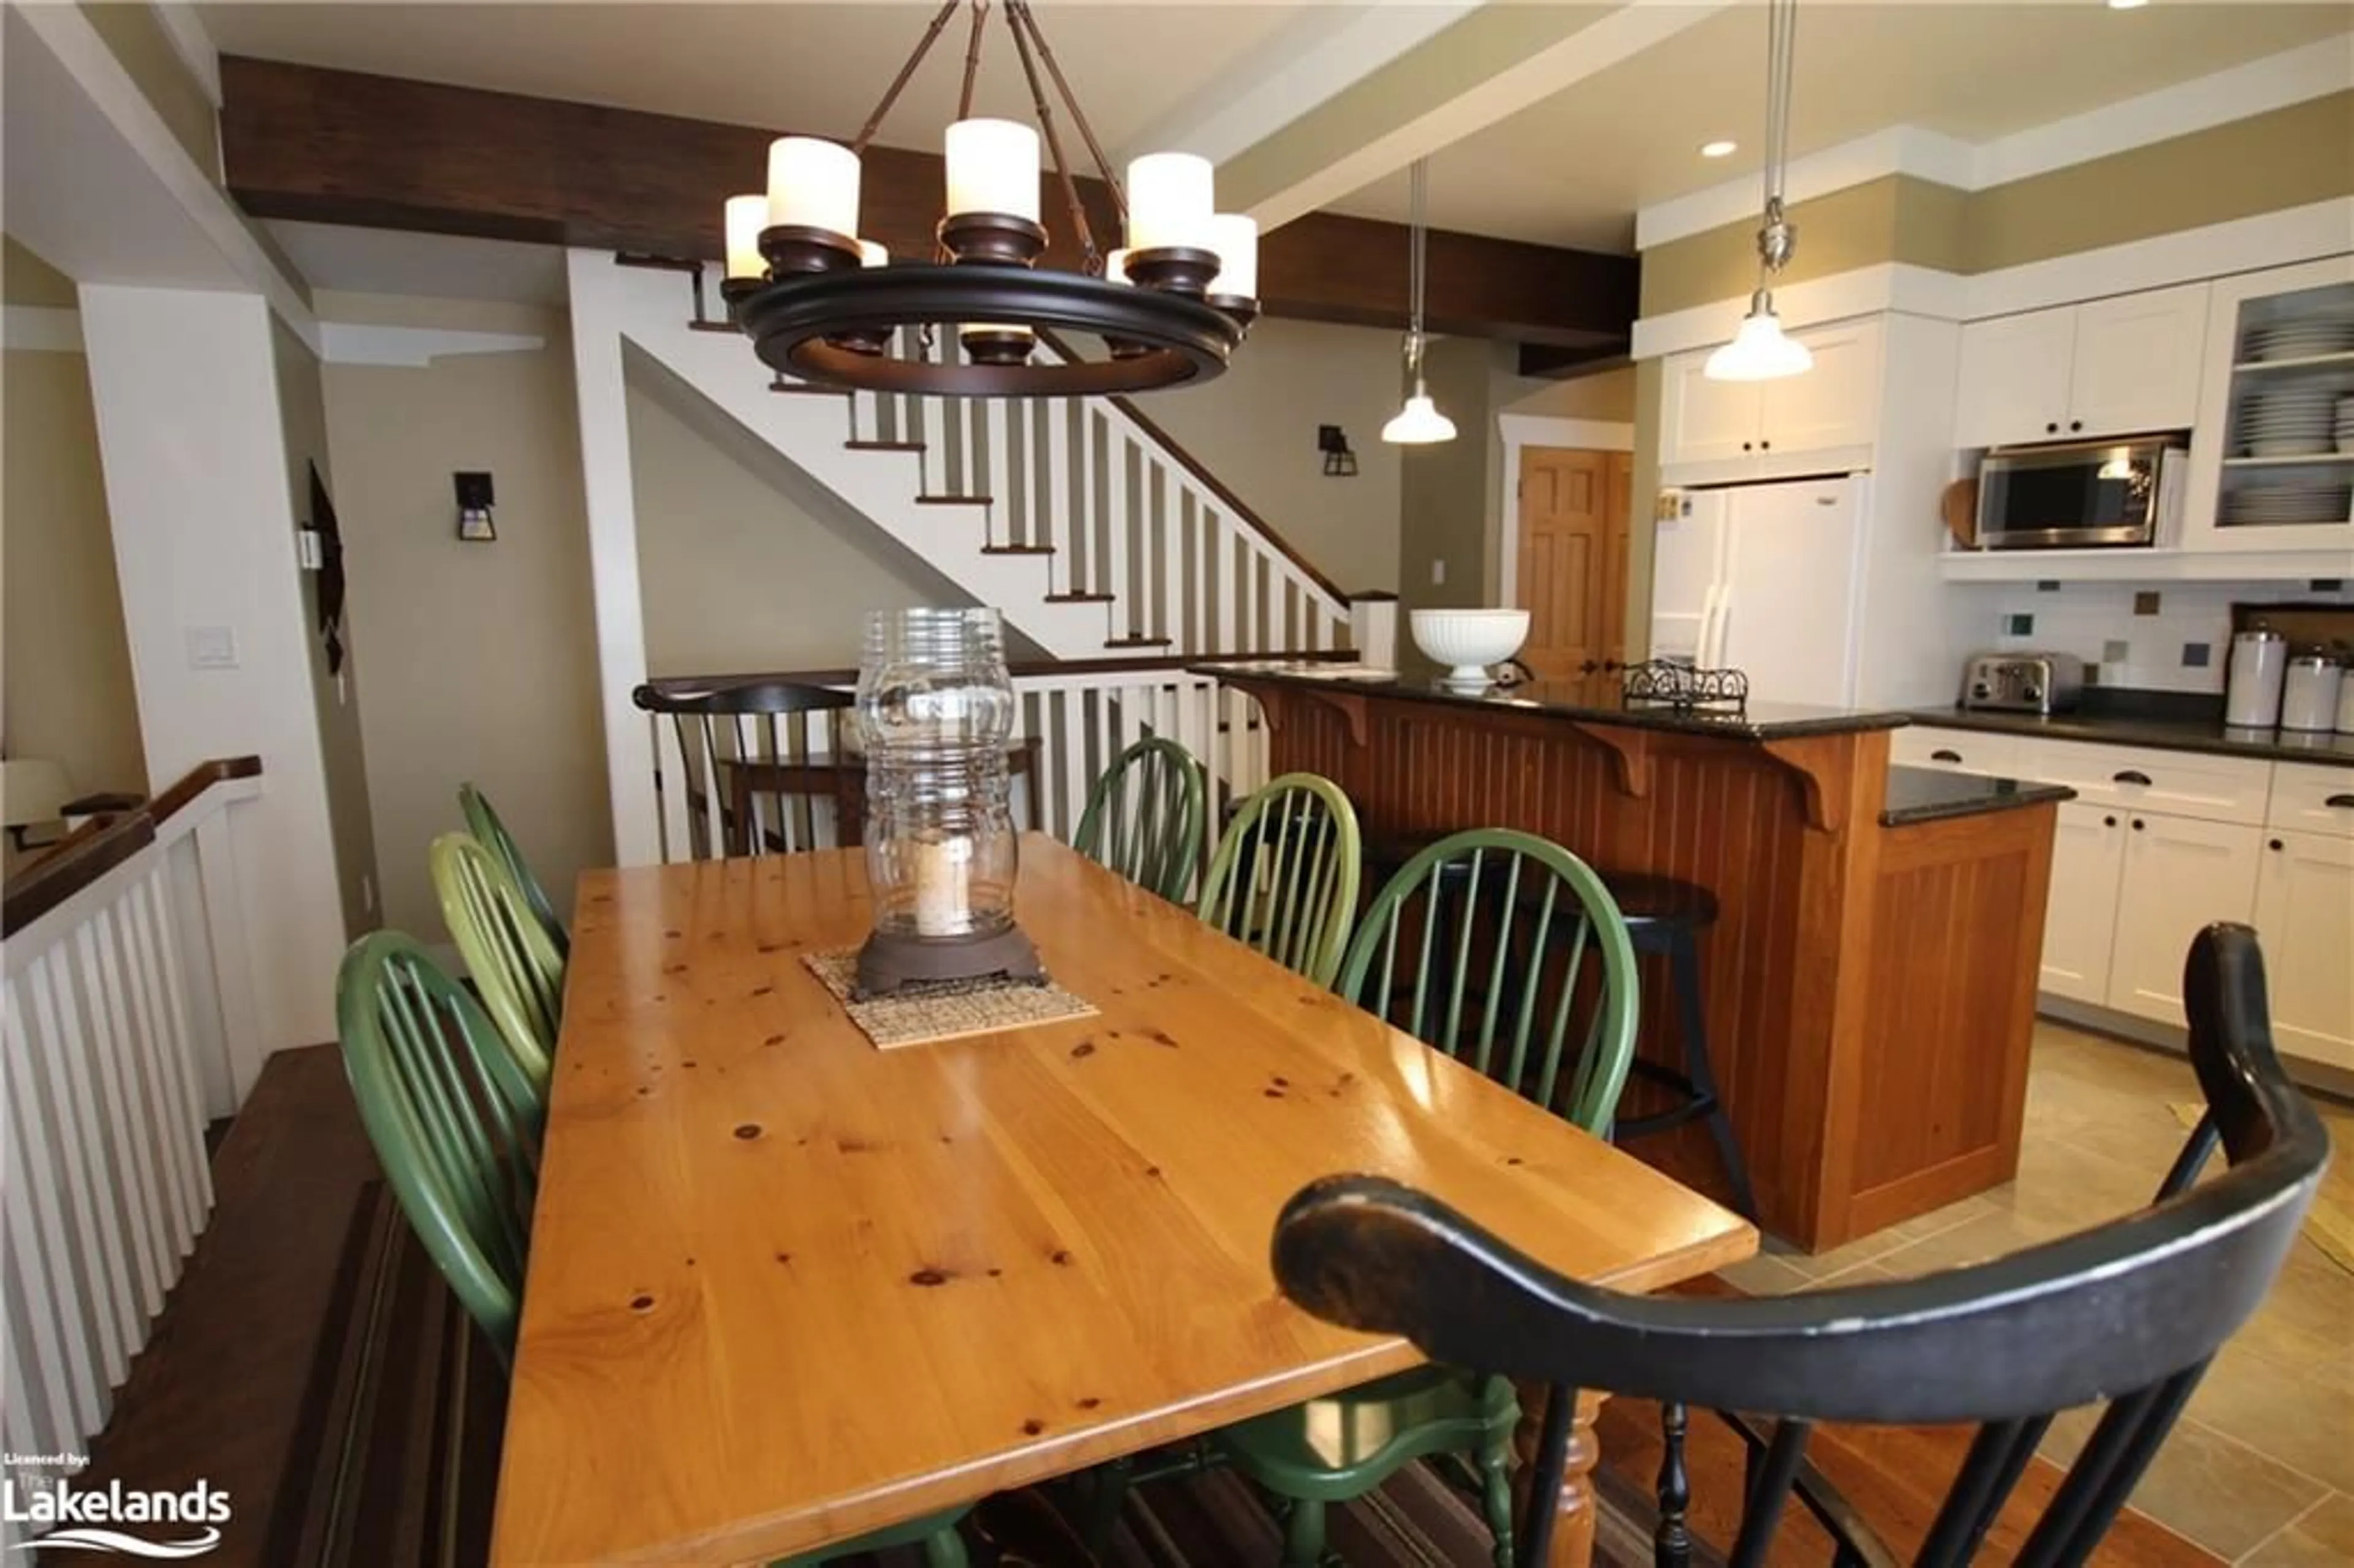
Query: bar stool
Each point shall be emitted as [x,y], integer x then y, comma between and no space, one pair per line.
[1665,917]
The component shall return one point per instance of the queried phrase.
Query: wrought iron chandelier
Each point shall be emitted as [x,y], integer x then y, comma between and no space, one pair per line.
[822,304]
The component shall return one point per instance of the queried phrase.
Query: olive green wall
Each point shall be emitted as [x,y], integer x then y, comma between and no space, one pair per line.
[2287,158]
[26,279]
[1446,490]
[145,52]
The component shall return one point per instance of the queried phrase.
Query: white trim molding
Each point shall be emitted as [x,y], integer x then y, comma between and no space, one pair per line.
[2189,256]
[2293,76]
[1520,431]
[192,43]
[40,329]
[354,343]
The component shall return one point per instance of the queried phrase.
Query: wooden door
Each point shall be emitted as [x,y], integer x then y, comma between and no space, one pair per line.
[1572,563]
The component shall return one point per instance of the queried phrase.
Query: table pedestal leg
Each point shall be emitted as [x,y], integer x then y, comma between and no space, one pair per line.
[1575,1510]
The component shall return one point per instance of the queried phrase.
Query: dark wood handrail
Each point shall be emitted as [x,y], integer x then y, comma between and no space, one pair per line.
[97,847]
[1169,662]
[1210,482]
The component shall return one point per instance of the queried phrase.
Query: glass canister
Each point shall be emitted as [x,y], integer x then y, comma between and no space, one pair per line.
[936,710]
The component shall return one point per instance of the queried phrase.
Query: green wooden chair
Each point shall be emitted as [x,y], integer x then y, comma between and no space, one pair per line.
[1556,948]
[507,952]
[1284,879]
[455,1123]
[491,833]
[1143,818]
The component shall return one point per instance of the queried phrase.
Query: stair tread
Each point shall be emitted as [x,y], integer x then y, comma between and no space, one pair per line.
[1017,549]
[884,446]
[804,388]
[711,326]
[1080,597]
[1139,641]
[955,501]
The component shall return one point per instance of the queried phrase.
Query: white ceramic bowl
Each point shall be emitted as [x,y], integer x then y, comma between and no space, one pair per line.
[1468,641]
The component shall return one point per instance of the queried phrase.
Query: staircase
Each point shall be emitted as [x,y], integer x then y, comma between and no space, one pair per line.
[1096,536]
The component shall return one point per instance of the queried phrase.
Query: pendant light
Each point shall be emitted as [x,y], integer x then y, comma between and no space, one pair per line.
[1419,423]
[1760,350]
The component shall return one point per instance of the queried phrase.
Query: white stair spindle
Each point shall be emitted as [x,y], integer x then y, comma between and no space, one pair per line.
[1055,481]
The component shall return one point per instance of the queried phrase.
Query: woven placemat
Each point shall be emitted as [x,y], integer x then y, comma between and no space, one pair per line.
[947,1010]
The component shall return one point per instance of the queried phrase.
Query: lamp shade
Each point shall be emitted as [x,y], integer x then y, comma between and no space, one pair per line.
[1419,423]
[1171,201]
[1760,350]
[813,183]
[747,216]
[1235,240]
[993,168]
[870,254]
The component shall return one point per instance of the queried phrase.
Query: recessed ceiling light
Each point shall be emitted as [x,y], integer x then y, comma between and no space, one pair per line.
[2127,5]
[1725,149]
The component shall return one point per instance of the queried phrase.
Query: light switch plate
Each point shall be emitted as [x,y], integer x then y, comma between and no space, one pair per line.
[1438,572]
[212,647]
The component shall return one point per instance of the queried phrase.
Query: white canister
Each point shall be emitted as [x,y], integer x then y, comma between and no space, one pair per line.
[2259,662]
[2346,707]
[2309,695]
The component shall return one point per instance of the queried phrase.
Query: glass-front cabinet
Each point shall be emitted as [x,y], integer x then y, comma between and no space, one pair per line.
[2273,463]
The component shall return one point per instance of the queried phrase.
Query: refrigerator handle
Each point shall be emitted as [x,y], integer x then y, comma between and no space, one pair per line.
[1711,614]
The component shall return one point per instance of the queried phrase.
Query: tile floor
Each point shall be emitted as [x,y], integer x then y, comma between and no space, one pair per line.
[2260,1469]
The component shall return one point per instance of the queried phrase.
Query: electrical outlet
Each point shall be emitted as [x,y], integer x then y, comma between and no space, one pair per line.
[212,647]
[1438,572]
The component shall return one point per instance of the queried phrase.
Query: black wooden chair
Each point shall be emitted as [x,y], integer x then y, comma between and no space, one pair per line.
[2127,1314]
[754,763]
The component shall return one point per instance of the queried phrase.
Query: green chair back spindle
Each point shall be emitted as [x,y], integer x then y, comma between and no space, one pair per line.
[455,1124]
[1283,880]
[1556,945]
[507,952]
[484,824]
[1143,818]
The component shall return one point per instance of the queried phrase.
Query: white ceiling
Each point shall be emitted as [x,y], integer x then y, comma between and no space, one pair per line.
[819,68]
[1573,169]
[437,266]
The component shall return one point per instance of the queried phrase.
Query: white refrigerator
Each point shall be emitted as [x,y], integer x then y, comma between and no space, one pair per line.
[1766,580]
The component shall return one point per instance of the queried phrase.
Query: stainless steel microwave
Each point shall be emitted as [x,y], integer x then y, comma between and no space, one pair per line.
[2081,493]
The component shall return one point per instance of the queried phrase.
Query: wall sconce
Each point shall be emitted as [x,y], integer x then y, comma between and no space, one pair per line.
[474,524]
[1339,463]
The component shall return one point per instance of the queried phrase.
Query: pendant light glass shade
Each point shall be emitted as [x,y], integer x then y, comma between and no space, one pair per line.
[1419,423]
[1760,350]
[1171,202]
[813,184]
[993,168]
[746,217]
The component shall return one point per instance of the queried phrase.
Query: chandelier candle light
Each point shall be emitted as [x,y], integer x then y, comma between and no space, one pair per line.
[1760,350]
[935,712]
[822,304]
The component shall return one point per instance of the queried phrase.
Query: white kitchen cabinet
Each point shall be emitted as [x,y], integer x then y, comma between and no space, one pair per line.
[2136,367]
[2118,366]
[1955,750]
[2180,873]
[1718,432]
[2304,919]
[2014,379]
[1705,420]
[2080,919]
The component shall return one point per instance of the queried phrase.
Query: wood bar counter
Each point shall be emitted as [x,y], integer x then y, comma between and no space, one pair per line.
[1870,979]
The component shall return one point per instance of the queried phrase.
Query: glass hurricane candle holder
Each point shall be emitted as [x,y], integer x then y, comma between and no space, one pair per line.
[935,709]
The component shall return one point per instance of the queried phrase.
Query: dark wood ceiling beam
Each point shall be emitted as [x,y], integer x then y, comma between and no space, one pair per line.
[328,146]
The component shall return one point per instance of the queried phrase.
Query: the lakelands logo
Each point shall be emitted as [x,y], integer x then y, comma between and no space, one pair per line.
[82,1519]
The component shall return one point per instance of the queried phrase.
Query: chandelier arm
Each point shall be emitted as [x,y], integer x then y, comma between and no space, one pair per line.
[1029,19]
[971,59]
[1015,17]
[906,72]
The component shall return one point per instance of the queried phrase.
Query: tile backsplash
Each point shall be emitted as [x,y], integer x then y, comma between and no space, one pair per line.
[2176,638]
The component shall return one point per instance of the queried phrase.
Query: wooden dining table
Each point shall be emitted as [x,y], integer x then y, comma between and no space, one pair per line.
[786,1288]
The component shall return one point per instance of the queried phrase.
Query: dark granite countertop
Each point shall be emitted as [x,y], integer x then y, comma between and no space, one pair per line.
[2159,731]
[1932,794]
[1759,721]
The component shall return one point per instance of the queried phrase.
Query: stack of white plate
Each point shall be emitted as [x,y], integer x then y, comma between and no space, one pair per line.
[2304,339]
[2288,421]
[2344,428]
[2289,501]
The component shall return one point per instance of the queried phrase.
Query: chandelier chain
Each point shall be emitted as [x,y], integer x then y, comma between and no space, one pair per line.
[899,82]
[1020,10]
[1781,43]
[1417,262]
[971,59]
[1091,257]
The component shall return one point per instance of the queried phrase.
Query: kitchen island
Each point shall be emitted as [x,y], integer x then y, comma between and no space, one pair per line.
[1871,979]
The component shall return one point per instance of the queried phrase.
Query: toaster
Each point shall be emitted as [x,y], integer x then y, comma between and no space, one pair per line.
[2023,682]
